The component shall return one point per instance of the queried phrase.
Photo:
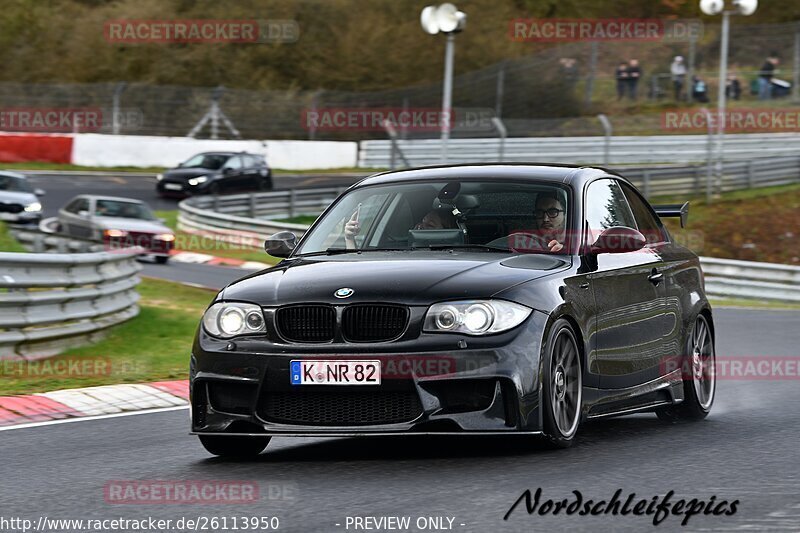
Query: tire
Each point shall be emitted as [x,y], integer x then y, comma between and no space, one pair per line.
[238,447]
[161,260]
[699,379]
[265,184]
[562,386]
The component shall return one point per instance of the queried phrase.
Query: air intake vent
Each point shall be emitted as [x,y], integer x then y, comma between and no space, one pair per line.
[306,323]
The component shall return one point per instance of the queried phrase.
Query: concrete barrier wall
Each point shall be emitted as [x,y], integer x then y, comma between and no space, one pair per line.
[92,149]
[141,151]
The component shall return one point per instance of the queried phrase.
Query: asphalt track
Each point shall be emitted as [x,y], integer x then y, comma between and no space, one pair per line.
[746,450]
[60,187]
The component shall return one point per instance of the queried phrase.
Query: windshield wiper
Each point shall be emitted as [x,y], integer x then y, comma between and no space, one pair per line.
[337,251]
[468,246]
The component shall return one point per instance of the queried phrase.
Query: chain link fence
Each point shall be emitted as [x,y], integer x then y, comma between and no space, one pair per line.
[555,91]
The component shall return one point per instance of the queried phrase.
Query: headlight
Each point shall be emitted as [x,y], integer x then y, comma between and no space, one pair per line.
[115,233]
[198,180]
[168,237]
[229,319]
[475,317]
[34,207]
[159,177]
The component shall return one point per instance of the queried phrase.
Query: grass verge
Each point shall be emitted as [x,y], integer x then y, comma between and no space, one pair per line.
[189,242]
[153,346]
[752,225]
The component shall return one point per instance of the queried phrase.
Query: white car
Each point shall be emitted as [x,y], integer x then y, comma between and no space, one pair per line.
[117,222]
[19,202]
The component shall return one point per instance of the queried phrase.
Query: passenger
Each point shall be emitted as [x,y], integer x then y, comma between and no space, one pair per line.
[439,218]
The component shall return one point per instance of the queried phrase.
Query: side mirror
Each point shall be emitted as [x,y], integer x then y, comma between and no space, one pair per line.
[618,239]
[281,244]
[84,214]
[227,170]
[38,192]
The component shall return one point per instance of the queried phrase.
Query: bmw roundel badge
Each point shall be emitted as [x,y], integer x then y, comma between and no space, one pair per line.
[344,292]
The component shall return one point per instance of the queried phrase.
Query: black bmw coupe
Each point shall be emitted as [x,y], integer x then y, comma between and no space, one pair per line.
[503,298]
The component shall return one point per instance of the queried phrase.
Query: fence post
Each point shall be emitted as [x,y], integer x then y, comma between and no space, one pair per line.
[592,68]
[607,131]
[750,176]
[292,200]
[647,184]
[216,203]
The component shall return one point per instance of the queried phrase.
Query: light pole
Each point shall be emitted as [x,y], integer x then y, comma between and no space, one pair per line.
[446,19]
[715,7]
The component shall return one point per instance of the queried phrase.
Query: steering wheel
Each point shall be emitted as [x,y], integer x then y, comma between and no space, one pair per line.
[522,241]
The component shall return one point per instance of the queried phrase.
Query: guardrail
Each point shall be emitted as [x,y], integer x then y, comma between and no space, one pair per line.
[248,219]
[622,150]
[730,278]
[50,302]
[38,241]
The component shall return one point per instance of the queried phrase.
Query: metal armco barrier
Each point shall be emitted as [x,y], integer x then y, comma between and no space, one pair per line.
[50,302]
[622,150]
[248,219]
[751,280]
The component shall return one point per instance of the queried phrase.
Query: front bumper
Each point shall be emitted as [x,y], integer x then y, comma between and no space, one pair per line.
[429,385]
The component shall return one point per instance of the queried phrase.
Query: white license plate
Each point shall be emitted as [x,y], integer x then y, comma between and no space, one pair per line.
[173,186]
[335,372]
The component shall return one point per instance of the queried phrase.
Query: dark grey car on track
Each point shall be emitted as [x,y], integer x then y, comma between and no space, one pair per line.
[482,326]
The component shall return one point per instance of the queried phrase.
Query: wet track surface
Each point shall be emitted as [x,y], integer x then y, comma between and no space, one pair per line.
[747,450]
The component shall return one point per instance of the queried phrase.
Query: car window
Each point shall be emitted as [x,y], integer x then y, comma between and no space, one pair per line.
[234,162]
[606,206]
[115,208]
[209,161]
[13,183]
[250,161]
[646,220]
[488,213]
[77,205]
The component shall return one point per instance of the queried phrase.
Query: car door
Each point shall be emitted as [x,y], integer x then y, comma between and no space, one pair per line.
[233,178]
[75,219]
[628,292]
[250,172]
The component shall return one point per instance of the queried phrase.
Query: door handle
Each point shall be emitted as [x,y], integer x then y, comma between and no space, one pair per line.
[655,277]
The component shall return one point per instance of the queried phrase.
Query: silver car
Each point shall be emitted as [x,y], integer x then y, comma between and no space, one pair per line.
[18,200]
[117,223]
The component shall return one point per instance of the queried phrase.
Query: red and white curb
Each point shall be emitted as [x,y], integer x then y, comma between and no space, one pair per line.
[92,402]
[205,259]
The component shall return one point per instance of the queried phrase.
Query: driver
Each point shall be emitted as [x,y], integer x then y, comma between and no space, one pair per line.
[439,218]
[550,220]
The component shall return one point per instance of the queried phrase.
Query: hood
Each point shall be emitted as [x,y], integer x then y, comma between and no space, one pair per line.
[131,224]
[183,174]
[17,197]
[414,278]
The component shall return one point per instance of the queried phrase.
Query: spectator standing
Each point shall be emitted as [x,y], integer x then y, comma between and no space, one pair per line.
[634,73]
[678,71]
[621,75]
[765,77]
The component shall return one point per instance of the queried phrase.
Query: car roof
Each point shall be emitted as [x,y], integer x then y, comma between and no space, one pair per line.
[13,174]
[113,198]
[567,174]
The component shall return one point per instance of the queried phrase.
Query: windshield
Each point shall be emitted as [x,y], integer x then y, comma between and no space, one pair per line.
[489,215]
[14,184]
[209,161]
[117,209]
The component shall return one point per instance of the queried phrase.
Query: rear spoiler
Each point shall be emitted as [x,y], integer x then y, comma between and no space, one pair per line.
[674,210]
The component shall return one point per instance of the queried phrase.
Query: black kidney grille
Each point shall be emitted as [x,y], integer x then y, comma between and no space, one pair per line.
[340,408]
[306,323]
[373,323]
